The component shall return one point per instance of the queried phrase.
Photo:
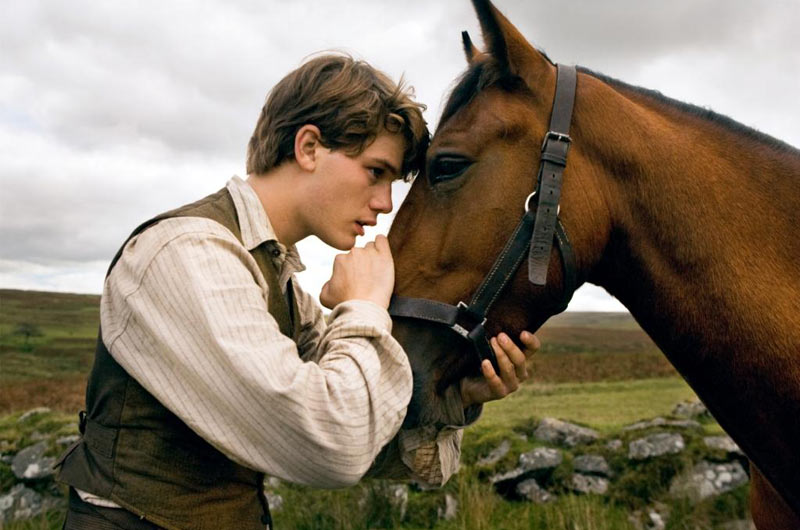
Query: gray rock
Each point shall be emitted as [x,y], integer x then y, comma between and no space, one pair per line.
[6,459]
[20,503]
[722,443]
[588,484]
[662,443]
[690,409]
[386,493]
[656,521]
[449,511]
[530,490]
[652,518]
[537,463]
[661,422]
[540,458]
[591,465]
[614,445]
[398,498]
[36,436]
[30,464]
[560,432]
[31,413]
[708,480]
[495,455]
[508,475]
[272,482]
[67,440]
[274,500]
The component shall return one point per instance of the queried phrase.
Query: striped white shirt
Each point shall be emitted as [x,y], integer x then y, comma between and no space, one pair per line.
[184,312]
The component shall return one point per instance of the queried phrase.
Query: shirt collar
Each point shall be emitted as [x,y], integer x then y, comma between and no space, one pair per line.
[254,222]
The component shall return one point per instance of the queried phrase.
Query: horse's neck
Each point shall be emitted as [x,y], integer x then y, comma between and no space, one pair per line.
[704,246]
[703,251]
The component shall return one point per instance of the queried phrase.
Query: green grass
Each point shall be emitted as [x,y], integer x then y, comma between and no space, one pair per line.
[605,406]
[598,370]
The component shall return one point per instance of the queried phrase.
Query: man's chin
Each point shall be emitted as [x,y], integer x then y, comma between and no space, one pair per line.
[342,243]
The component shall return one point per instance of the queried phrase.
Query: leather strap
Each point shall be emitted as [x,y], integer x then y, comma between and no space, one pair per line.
[551,170]
[536,231]
[504,266]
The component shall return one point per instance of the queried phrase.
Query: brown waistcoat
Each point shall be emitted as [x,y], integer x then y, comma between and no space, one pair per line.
[137,453]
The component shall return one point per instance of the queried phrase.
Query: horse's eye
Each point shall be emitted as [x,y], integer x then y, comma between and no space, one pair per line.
[447,167]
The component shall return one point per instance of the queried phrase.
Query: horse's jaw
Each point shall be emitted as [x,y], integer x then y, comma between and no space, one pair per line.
[438,360]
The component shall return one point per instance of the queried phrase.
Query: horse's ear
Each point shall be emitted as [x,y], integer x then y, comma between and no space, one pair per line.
[469,48]
[504,42]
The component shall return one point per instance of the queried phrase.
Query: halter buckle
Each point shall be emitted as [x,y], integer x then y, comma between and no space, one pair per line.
[458,328]
[557,136]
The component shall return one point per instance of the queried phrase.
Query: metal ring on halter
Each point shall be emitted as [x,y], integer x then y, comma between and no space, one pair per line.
[527,203]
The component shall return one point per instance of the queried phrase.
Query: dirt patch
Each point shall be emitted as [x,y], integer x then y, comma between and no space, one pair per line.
[63,394]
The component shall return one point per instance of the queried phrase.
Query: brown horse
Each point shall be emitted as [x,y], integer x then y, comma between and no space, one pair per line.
[685,216]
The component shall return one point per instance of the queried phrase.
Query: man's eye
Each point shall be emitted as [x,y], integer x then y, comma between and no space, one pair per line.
[377,172]
[447,167]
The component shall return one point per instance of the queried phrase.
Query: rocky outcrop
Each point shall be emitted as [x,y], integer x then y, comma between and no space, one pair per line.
[495,455]
[588,484]
[722,443]
[21,502]
[560,432]
[691,409]
[591,465]
[658,444]
[31,464]
[530,490]
[708,480]
[661,422]
[568,459]
[449,510]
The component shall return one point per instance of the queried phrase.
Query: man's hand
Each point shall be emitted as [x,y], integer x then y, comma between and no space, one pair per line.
[361,274]
[513,370]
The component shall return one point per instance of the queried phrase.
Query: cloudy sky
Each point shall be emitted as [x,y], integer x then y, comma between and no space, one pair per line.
[111,112]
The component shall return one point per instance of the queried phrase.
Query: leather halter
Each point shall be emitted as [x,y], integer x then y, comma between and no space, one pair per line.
[534,233]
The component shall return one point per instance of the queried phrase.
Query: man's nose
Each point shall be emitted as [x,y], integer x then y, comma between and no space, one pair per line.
[382,199]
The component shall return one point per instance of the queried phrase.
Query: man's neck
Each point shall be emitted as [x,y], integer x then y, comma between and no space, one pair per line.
[278,192]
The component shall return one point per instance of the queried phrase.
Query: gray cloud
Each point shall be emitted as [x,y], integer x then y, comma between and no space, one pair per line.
[111,112]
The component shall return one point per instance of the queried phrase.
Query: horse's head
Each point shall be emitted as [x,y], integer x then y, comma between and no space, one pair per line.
[481,166]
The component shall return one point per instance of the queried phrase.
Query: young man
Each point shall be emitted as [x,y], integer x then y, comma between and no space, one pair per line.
[213,367]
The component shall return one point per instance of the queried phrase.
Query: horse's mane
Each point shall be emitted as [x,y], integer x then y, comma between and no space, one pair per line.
[486,73]
[700,112]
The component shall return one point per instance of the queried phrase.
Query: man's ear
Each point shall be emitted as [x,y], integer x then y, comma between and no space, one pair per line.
[306,146]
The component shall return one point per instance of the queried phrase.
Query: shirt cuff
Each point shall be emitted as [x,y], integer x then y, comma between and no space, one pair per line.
[363,311]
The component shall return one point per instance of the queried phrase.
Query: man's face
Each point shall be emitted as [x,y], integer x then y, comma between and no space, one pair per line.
[352,191]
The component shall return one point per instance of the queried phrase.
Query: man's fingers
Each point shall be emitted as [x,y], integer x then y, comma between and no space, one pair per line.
[382,244]
[324,295]
[508,372]
[531,342]
[496,385]
[515,355]
[513,371]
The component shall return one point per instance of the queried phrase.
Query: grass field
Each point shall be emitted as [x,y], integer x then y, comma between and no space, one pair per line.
[596,369]
[50,369]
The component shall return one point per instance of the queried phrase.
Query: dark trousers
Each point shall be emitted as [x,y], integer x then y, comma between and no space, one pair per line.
[84,516]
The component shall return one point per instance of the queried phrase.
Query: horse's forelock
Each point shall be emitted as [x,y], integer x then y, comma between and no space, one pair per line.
[476,78]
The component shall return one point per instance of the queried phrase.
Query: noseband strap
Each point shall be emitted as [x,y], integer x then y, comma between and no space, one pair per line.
[534,234]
